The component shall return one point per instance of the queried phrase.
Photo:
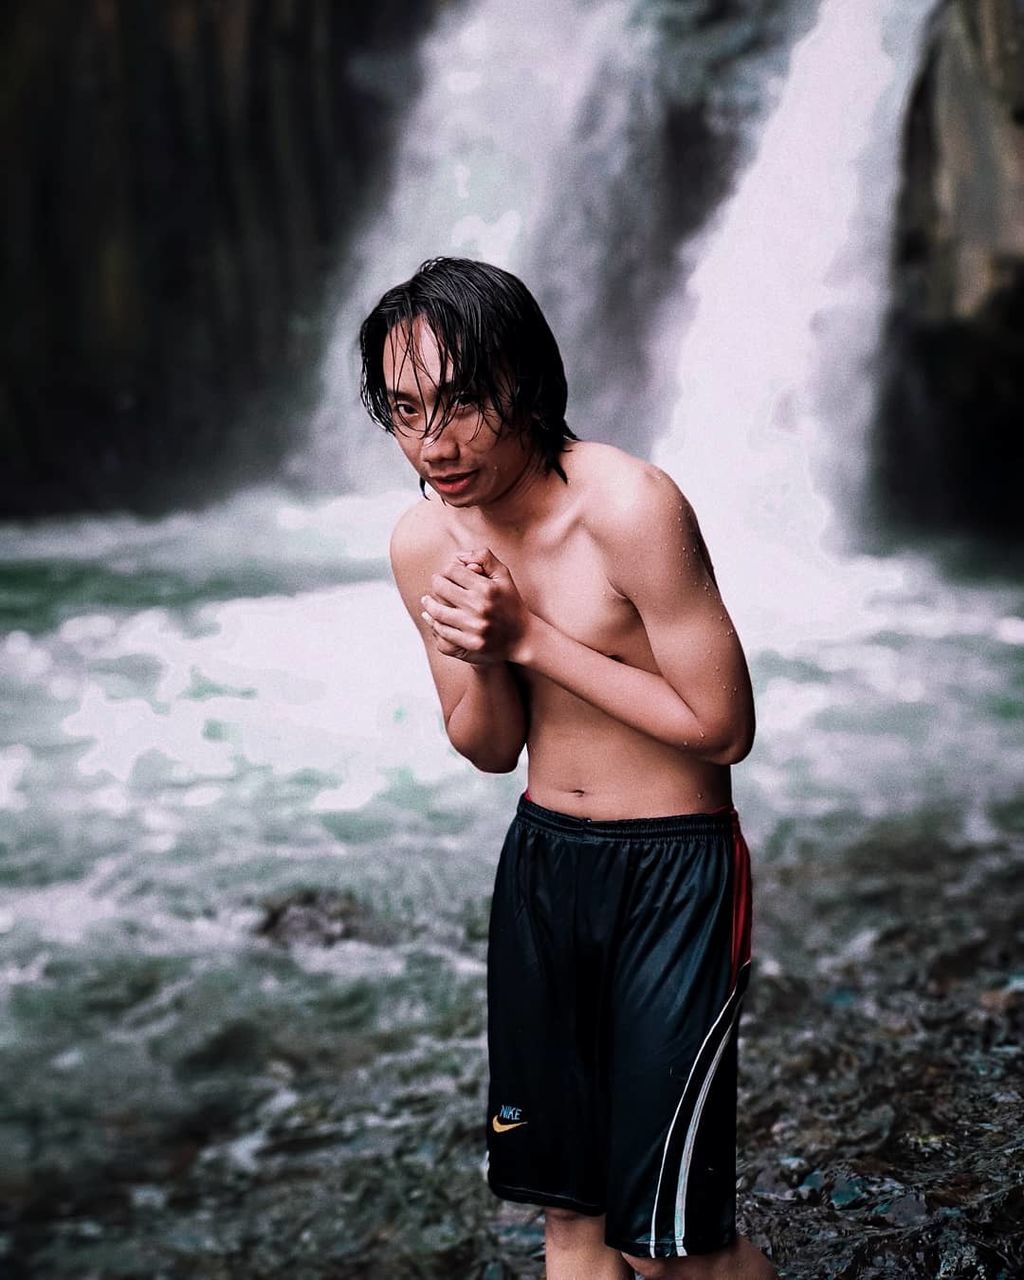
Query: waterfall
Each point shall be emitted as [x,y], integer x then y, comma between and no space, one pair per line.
[785,307]
[502,87]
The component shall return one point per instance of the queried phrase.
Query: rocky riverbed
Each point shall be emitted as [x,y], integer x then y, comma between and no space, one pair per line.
[880,1108]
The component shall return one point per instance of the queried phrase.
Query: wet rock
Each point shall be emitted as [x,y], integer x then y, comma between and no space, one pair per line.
[893,1116]
[794,1168]
[950,449]
[847,1192]
[1003,1000]
[810,1190]
[873,1126]
[322,918]
[904,1211]
[239,1044]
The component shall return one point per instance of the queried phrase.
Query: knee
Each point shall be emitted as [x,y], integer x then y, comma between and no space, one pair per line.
[564,1225]
[654,1268]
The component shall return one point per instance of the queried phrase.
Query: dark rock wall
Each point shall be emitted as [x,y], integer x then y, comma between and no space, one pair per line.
[949,444]
[178,173]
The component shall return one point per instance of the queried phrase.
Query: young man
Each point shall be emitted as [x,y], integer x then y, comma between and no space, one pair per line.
[567,603]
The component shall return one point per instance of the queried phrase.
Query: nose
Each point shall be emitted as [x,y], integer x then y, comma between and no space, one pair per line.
[439,446]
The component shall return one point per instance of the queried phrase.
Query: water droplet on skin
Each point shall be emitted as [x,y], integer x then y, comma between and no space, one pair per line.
[700,795]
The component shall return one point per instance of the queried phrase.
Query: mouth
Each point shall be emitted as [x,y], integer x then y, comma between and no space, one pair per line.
[453,484]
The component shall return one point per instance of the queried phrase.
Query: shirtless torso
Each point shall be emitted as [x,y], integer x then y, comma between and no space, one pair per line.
[613,563]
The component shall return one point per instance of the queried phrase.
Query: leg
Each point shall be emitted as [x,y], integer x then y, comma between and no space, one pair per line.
[681,971]
[740,1261]
[574,1249]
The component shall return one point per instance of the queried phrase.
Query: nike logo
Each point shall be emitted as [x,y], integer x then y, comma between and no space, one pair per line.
[498,1127]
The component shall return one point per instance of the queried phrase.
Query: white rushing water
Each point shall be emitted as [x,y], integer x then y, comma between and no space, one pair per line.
[785,305]
[476,163]
[776,381]
[241,687]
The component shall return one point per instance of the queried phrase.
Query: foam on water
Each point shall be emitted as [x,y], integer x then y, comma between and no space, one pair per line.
[262,528]
[294,682]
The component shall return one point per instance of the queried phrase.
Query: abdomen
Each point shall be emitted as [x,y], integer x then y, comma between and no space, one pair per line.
[584,762]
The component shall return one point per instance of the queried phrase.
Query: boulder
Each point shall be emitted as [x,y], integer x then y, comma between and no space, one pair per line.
[949,440]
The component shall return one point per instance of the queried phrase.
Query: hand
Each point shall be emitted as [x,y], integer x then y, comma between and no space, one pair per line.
[474,609]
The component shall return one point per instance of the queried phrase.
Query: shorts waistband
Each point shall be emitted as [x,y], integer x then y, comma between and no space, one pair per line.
[718,822]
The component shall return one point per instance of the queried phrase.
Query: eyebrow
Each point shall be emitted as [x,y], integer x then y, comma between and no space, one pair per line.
[443,389]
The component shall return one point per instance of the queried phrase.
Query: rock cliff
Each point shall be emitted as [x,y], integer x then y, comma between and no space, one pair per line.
[949,444]
[178,174]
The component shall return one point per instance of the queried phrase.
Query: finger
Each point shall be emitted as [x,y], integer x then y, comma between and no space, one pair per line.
[452,635]
[448,649]
[450,616]
[482,556]
[466,576]
[448,591]
[489,564]
[450,597]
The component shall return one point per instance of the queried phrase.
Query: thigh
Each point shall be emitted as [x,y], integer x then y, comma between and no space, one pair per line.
[678,983]
[545,1133]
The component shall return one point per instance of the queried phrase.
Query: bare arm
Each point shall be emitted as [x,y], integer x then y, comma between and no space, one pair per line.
[482,704]
[700,699]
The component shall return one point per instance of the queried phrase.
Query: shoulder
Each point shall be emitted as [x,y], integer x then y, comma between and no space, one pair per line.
[419,526]
[620,494]
[643,523]
[417,540]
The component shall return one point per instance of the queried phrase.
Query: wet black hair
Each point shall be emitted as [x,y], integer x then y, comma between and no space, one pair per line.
[494,342]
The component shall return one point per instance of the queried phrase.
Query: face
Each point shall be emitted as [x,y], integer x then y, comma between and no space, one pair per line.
[471,460]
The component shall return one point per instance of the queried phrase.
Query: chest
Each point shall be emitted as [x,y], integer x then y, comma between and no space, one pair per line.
[565,581]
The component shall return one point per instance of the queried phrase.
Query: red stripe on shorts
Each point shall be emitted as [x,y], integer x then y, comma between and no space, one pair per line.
[741,900]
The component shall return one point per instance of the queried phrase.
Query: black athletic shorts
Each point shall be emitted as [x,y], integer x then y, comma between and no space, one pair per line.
[619,953]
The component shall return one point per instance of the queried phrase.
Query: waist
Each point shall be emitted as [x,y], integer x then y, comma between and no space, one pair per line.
[716,821]
[620,774]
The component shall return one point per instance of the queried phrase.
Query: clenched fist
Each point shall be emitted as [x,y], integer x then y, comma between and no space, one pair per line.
[474,610]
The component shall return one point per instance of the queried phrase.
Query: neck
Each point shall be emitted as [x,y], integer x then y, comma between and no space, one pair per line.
[527,501]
